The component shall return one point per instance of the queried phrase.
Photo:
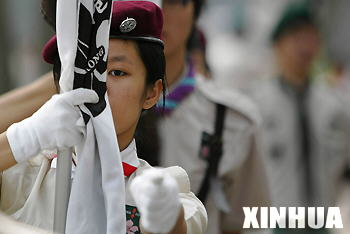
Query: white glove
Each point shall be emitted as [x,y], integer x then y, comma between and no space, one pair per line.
[57,124]
[156,195]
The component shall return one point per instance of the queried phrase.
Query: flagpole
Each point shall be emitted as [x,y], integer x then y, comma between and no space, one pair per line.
[62,189]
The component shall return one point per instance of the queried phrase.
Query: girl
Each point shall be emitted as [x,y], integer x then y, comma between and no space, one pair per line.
[187,127]
[136,71]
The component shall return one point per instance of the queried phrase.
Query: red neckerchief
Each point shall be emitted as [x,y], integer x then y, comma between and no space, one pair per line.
[128,169]
[130,160]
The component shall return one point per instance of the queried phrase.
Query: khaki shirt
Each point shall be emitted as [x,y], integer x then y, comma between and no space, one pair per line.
[329,125]
[241,169]
[28,190]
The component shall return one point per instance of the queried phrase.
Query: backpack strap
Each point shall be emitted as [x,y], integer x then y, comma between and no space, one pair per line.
[215,153]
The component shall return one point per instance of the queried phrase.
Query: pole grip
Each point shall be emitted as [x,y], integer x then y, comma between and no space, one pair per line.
[62,189]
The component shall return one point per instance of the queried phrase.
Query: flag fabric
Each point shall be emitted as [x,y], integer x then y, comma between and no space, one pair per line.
[97,199]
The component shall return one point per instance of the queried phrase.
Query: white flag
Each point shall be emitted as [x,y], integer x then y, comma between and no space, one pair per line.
[97,200]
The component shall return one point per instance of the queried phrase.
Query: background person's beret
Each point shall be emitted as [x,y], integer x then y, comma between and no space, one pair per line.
[133,20]
[295,15]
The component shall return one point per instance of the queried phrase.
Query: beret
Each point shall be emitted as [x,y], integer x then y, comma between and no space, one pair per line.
[293,16]
[132,20]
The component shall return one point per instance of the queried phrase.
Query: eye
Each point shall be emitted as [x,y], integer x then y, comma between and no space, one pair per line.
[117,73]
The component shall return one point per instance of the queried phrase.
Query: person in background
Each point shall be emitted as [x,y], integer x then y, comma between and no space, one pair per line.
[210,131]
[305,128]
[157,200]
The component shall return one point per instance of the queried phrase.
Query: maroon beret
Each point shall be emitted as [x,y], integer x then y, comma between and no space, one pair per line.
[134,20]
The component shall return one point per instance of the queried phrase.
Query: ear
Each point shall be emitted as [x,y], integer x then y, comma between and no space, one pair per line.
[153,94]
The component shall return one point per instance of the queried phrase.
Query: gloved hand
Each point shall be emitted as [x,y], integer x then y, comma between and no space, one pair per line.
[57,124]
[156,195]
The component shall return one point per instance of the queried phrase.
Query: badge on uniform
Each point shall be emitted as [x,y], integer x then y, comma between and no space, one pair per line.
[211,151]
[132,220]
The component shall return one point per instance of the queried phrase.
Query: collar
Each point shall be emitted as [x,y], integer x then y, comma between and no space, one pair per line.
[130,160]
[178,92]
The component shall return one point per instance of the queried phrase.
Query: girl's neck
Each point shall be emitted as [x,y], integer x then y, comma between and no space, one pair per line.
[125,138]
[175,65]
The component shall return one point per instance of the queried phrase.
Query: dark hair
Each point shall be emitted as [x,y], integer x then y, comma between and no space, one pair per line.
[153,58]
[56,71]
[294,17]
[198,4]
[48,10]
[146,134]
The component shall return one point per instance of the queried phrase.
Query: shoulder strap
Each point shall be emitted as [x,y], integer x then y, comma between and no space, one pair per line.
[219,119]
[215,153]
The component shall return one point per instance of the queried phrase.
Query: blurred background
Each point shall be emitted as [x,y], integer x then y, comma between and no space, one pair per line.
[238,34]
[23,34]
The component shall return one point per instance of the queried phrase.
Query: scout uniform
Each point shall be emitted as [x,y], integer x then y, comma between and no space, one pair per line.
[27,189]
[28,192]
[188,117]
[329,142]
[305,130]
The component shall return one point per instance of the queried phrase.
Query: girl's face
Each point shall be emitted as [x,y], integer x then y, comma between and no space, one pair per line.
[178,21]
[297,49]
[126,88]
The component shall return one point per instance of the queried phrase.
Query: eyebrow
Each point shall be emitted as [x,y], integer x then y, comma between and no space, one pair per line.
[119,58]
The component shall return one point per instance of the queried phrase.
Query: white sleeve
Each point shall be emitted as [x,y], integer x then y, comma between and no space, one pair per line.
[195,213]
